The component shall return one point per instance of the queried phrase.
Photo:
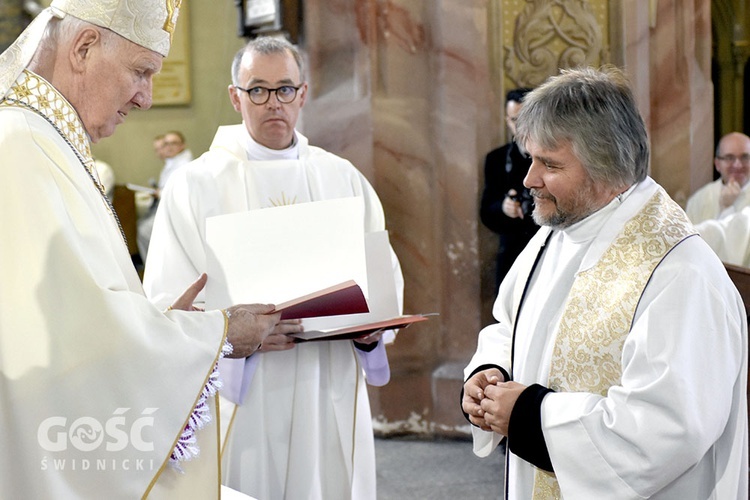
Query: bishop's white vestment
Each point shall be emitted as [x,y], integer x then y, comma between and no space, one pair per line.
[635,312]
[96,383]
[303,427]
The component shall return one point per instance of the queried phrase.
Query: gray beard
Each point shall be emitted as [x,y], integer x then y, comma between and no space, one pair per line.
[561,219]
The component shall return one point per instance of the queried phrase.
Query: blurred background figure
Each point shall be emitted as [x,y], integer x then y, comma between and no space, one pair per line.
[159,147]
[175,153]
[172,148]
[143,199]
[728,194]
[506,204]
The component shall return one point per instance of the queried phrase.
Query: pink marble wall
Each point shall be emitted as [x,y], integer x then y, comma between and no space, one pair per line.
[681,106]
[403,89]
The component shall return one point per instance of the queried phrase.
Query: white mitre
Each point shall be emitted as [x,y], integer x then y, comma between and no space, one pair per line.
[149,23]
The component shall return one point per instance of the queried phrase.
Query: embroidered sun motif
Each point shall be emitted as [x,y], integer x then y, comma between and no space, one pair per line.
[283,201]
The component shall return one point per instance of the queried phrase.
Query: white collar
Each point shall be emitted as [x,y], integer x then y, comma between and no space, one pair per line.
[589,227]
[257,152]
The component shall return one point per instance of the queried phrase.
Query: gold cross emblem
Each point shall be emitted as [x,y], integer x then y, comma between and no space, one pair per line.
[173,8]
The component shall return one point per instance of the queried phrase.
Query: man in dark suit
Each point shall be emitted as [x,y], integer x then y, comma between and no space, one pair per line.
[506,204]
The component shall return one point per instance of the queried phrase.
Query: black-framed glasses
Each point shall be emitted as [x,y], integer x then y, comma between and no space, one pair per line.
[744,159]
[260,95]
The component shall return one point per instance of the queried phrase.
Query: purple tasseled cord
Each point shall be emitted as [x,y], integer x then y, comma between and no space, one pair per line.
[187,447]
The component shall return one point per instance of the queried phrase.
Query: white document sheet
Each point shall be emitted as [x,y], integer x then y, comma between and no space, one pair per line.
[277,254]
[381,292]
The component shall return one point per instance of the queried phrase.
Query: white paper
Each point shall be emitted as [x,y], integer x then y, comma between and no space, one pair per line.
[141,189]
[277,254]
[381,296]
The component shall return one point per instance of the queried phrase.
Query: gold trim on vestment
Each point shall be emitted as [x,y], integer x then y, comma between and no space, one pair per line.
[32,91]
[229,430]
[358,370]
[185,423]
[217,404]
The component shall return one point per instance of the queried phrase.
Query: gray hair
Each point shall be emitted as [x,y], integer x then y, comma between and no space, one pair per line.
[60,32]
[265,45]
[595,112]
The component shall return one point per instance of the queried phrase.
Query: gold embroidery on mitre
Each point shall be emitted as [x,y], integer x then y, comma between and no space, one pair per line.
[601,305]
[173,8]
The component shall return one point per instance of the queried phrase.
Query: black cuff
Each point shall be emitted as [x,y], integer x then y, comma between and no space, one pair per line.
[366,347]
[525,436]
[477,370]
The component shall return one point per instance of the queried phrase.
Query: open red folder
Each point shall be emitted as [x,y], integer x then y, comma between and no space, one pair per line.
[344,298]
[355,331]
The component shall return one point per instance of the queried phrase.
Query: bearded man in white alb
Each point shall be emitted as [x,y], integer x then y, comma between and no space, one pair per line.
[304,429]
[618,366]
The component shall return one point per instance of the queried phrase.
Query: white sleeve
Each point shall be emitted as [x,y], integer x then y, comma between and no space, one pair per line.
[375,362]
[494,345]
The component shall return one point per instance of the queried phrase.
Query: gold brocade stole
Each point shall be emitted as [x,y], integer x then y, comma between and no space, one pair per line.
[33,92]
[600,309]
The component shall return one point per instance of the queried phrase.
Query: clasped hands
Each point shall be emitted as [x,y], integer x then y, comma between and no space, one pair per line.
[489,400]
[255,327]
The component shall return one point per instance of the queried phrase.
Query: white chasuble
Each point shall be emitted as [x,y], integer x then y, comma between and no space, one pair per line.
[302,427]
[96,383]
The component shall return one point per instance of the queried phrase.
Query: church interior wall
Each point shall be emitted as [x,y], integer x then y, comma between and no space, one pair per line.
[411,91]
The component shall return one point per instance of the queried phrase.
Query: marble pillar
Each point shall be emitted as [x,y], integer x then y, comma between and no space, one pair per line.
[681,96]
[411,90]
[401,88]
